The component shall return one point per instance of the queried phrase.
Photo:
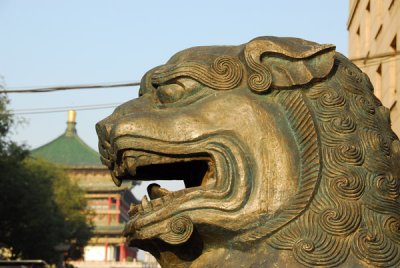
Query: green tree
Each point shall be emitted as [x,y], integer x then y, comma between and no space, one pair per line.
[40,207]
[77,218]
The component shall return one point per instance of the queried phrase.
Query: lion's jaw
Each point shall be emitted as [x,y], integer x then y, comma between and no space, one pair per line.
[226,173]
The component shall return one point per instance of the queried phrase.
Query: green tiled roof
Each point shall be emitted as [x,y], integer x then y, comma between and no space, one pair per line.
[68,150]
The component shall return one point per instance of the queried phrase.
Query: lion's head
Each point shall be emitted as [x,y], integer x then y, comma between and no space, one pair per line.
[286,155]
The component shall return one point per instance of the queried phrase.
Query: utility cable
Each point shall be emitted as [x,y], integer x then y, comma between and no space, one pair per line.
[62,109]
[71,87]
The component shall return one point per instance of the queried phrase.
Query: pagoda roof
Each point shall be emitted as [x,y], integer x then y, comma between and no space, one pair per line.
[69,150]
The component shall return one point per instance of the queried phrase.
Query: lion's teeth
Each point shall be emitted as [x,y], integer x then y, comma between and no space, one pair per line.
[178,193]
[143,160]
[116,181]
[140,209]
[146,205]
[167,198]
[133,210]
[157,203]
[118,170]
[130,163]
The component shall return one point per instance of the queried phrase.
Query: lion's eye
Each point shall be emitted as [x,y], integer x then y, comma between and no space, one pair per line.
[170,93]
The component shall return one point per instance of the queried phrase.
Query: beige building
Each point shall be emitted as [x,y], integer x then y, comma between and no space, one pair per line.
[374,36]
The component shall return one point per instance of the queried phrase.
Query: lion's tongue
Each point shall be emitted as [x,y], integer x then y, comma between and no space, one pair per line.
[155,191]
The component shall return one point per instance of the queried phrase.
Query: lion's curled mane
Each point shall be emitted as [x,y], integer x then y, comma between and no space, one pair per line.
[356,204]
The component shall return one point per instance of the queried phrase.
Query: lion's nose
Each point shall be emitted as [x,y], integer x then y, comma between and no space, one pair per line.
[103,131]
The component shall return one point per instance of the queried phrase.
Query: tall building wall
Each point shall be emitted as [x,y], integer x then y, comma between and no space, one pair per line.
[374,39]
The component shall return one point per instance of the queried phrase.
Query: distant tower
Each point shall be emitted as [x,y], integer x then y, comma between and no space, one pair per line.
[110,203]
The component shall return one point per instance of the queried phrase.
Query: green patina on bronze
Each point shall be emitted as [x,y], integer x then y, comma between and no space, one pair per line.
[288,159]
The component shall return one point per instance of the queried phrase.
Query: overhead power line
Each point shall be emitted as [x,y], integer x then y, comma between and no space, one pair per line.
[63,109]
[70,87]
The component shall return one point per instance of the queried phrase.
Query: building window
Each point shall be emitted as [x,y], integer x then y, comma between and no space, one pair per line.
[379,69]
[378,82]
[391,4]
[378,32]
[393,70]
[367,29]
[393,44]
[357,43]
[377,13]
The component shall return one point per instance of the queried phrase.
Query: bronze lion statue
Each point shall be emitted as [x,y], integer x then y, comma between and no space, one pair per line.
[288,159]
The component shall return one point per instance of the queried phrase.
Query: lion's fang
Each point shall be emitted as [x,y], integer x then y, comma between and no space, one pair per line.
[155,191]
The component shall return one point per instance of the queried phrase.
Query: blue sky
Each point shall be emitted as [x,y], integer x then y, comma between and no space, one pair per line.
[45,43]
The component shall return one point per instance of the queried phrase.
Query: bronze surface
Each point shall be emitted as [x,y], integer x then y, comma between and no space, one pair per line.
[288,159]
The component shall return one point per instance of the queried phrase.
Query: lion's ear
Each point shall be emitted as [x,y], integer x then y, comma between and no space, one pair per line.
[285,62]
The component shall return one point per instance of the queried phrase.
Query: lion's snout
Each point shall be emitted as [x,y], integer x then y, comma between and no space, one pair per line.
[103,132]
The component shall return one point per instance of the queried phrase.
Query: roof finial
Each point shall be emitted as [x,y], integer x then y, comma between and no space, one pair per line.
[71,116]
[71,122]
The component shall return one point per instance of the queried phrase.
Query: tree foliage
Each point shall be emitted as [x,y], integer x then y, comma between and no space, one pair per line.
[40,207]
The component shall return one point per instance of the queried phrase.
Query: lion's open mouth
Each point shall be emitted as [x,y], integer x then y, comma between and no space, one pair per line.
[195,170]
[212,169]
